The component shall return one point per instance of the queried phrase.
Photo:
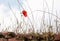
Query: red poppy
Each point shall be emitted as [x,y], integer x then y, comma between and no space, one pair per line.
[24,12]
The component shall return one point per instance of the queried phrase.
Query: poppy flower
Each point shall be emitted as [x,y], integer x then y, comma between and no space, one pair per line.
[24,12]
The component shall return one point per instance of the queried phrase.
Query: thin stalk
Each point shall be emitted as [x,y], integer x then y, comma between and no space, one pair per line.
[30,10]
[43,16]
[13,13]
[49,16]
[56,23]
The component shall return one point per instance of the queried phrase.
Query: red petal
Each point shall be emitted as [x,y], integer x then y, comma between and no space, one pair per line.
[24,13]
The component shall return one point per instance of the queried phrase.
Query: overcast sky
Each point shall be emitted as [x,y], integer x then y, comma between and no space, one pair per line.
[8,20]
